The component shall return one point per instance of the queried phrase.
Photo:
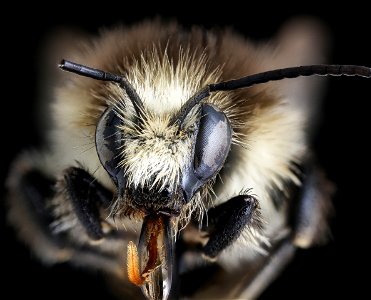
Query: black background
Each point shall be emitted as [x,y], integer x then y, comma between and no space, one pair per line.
[341,144]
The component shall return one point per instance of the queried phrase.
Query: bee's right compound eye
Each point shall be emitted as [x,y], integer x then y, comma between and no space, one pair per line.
[108,142]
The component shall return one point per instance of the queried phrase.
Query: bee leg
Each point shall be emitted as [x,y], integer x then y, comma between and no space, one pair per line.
[309,226]
[29,198]
[226,222]
[312,210]
[37,188]
[87,195]
[45,219]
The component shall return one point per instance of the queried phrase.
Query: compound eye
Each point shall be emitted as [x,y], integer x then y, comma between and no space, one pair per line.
[212,144]
[108,142]
[211,148]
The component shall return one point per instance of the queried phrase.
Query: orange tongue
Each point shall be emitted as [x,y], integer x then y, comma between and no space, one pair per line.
[150,265]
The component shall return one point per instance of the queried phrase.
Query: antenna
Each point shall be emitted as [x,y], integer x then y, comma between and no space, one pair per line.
[82,70]
[273,75]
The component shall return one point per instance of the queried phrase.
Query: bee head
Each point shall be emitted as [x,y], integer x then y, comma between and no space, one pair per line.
[160,162]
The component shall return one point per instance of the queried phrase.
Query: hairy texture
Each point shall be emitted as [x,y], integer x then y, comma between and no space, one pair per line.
[166,65]
[165,70]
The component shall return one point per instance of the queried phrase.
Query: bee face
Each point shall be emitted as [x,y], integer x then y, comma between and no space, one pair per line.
[146,150]
[159,164]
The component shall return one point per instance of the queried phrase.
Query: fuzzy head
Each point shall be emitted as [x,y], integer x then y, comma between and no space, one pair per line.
[161,163]
[162,146]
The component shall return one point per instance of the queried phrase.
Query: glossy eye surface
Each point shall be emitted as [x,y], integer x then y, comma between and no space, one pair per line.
[212,144]
[211,149]
[108,142]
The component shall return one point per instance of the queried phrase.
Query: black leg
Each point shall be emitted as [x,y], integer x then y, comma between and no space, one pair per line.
[41,211]
[226,222]
[87,195]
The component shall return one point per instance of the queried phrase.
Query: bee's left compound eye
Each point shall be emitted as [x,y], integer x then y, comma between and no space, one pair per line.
[212,144]
[108,142]
[211,149]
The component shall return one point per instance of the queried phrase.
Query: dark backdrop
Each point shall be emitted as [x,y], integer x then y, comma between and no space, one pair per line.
[341,144]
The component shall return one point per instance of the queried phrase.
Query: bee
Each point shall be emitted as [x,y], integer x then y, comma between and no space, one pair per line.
[175,153]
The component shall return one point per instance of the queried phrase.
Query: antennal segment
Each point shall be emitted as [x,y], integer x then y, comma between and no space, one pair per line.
[82,70]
